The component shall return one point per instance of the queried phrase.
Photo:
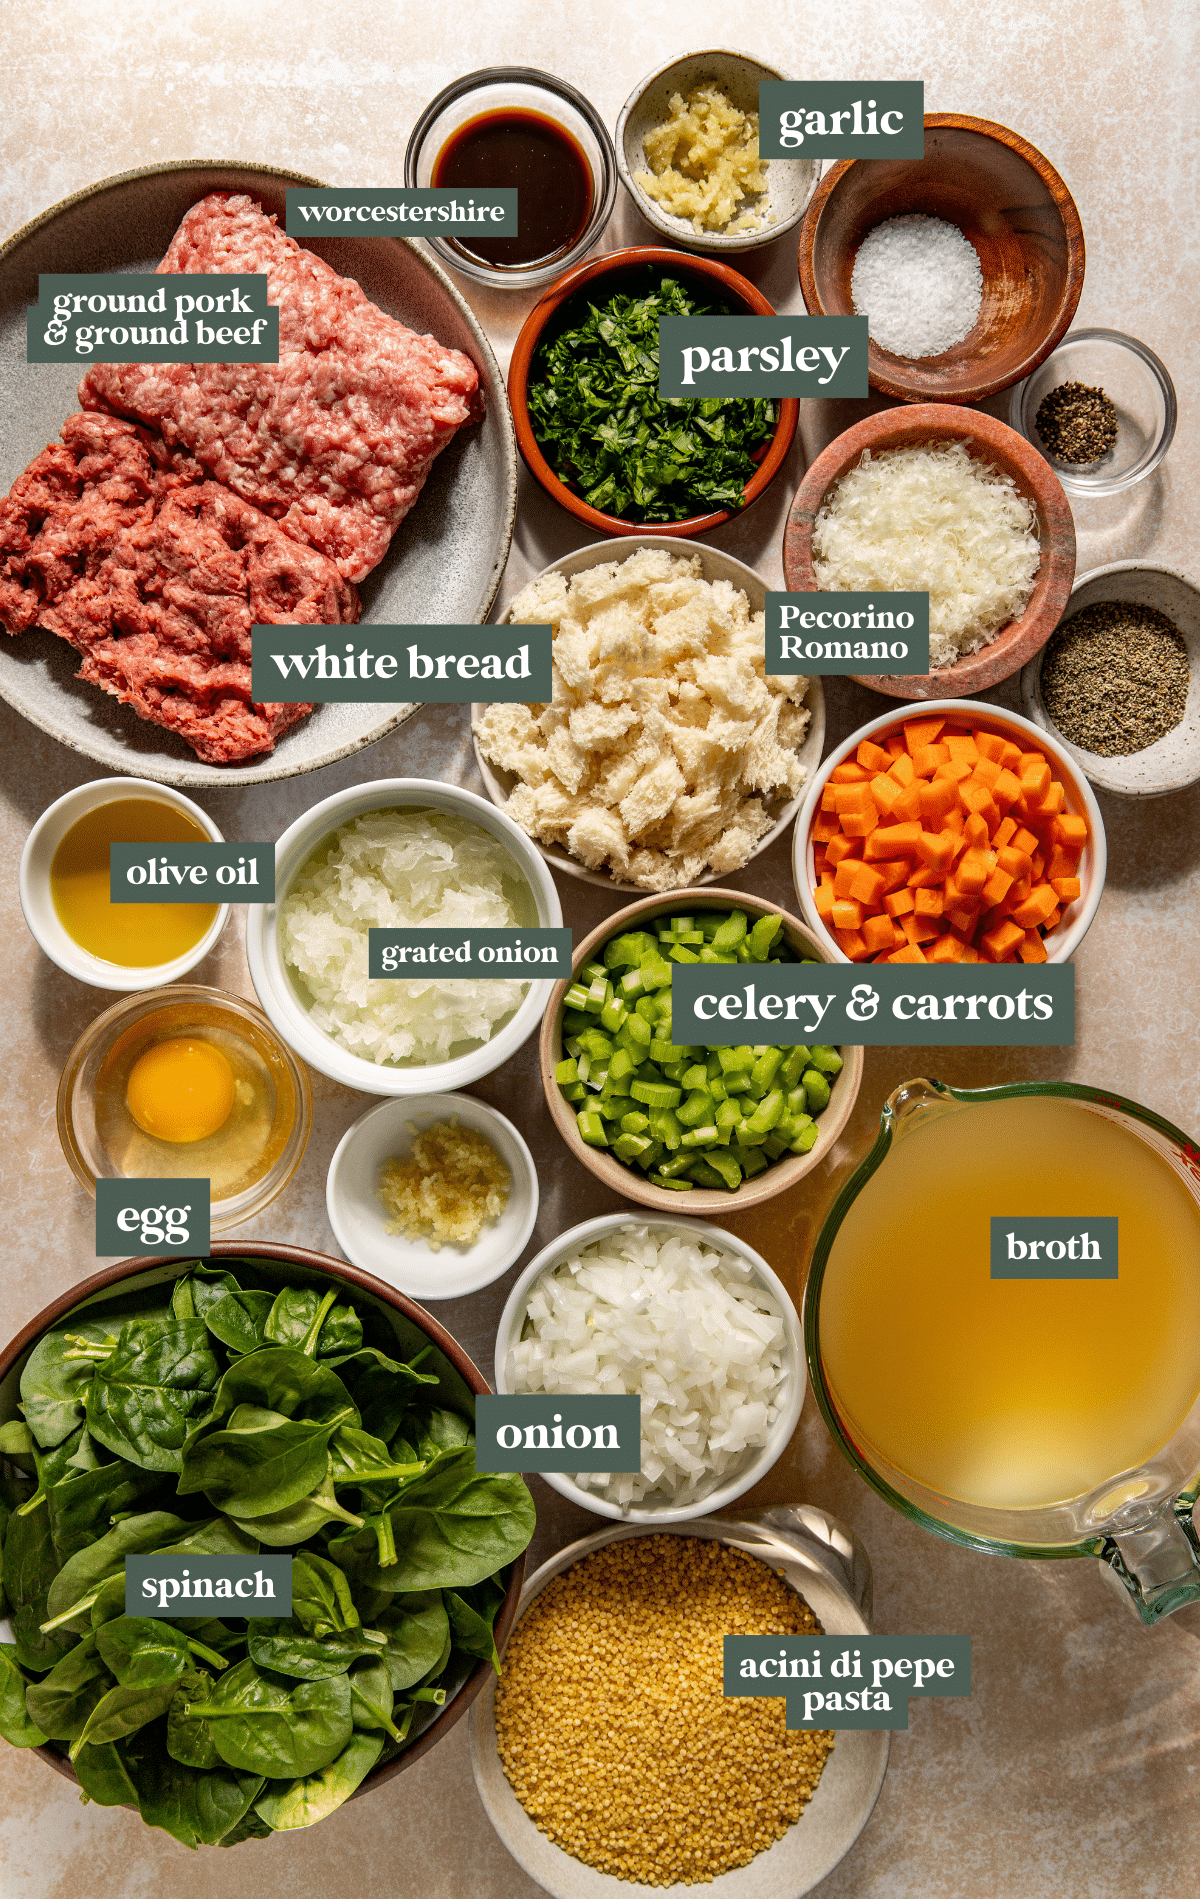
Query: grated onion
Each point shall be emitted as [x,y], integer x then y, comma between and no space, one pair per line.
[685,1326]
[932,519]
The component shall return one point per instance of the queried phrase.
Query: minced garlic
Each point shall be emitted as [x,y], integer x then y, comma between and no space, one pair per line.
[452,1183]
[704,160]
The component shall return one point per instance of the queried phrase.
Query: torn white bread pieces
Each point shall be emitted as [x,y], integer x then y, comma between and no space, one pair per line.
[667,749]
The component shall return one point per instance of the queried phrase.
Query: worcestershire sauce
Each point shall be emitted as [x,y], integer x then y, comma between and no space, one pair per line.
[548,168]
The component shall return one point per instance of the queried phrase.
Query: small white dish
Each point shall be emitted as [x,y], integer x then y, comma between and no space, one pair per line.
[279,995]
[359,1220]
[38,905]
[790,181]
[1062,941]
[791,1392]
[1173,761]
[715,564]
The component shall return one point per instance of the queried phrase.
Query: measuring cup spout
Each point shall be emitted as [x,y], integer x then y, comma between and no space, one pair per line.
[1156,1568]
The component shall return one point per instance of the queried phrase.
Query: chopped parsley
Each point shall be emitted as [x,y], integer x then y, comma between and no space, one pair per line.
[601,424]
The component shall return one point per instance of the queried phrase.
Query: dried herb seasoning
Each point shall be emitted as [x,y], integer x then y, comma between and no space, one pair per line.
[1115,678]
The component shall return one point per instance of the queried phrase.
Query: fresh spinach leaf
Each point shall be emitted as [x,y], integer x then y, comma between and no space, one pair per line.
[280,1646]
[449,1528]
[239,1320]
[143,1649]
[16,1723]
[321,1598]
[101,1774]
[263,1723]
[83,1503]
[76,1585]
[54,1383]
[472,1619]
[123,1710]
[197,1807]
[145,1392]
[280,1379]
[313,1323]
[418,1637]
[371,1697]
[296,1522]
[62,1702]
[288,1805]
[259,1463]
[30,1572]
[190,1740]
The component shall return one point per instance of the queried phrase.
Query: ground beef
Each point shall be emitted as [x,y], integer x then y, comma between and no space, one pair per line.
[336,439]
[155,574]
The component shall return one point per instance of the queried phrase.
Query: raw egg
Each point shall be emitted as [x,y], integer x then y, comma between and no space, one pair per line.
[181,1090]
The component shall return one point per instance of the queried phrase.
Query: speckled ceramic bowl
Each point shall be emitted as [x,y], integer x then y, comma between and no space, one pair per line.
[790,182]
[446,557]
[1173,761]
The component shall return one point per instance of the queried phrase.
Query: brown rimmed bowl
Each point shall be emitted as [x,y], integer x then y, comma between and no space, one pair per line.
[630,1182]
[602,277]
[461,1382]
[1009,201]
[987,440]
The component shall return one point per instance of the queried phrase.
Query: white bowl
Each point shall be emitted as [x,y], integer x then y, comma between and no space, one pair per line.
[1173,761]
[359,1221]
[279,996]
[790,181]
[38,904]
[827,1565]
[791,1392]
[714,565]
[1069,933]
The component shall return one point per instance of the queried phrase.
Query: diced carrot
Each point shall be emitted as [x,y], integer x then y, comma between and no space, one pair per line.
[976,800]
[975,828]
[900,839]
[1024,840]
[845,874]
[928,903]
[986,772]
[1066,889]
[963,750]
[1034,774]
[867,885]
[894,872]
[919,929]
[851,945]
[898,903]
[901,769]
[1048,806]
[1003,940]
[923,878]
[1010,757]
[937,799]
[962,917]
[954,772]
[918,732]
[847,915]
[823,898]
[840,847]
[1015,862]
[1006,791]
[1053,920]
[927,758]
[973,870]
[872,756]
[947,949]
[908,804]
[1032,950]
[1070,830]
[1036,907]
[879,933]
[936,850]
[885,791]
[1037,868]
[829,797]
[893,745]
[848,773]
[990,745]
[860,823]
[1006,830]
[826,828]
[971,954]
[997,886]
[850,797]
[954,822]
[912,954]
[1061,863]
[1020,890]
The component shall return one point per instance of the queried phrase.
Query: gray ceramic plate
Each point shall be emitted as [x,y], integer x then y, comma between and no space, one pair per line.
[445,560]
[826,1564]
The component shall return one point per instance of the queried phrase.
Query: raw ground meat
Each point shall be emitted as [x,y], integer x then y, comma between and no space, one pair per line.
[336,439]
[155,574]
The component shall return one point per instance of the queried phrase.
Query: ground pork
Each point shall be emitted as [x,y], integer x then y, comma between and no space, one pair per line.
[156,575]
[336,439]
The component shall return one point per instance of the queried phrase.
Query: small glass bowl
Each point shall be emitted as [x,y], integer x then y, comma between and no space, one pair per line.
[1134,381]
[185,1008]
[491,90]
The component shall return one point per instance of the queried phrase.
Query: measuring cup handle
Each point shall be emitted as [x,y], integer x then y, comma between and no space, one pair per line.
[837,1549]
[1156,1567]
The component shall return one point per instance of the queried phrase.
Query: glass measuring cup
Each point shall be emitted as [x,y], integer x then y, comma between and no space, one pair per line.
[1135,1513]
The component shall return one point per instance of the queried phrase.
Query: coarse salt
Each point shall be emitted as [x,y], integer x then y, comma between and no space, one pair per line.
[918,282]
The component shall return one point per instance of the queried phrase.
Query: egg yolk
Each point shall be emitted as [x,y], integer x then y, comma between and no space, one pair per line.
[180,1090]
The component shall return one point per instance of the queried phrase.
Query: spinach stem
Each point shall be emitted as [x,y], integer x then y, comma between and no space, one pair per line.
[310,1339]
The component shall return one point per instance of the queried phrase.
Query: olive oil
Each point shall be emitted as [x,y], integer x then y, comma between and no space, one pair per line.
[132,935]
[1012,1394]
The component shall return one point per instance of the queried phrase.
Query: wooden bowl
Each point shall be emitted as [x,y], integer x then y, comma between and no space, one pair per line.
[1017,212]
[986,440]
[601,278]
[629,1181]
[461,1380]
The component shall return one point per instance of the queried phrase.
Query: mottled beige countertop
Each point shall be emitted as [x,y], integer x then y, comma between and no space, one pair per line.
[1070,1771]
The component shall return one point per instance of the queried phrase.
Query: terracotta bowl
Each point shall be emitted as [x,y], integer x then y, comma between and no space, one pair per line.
[601,278]
[407,1322]
[986,440]
[630,1182]
[1017,212]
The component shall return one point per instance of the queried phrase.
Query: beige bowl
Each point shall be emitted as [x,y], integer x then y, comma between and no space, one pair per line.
[629,1181]
[714,565]
[826,1564]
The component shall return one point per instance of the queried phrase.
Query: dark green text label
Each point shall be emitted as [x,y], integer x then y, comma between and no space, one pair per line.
[165,1587]
[152,1216]
[841,118]
[575,1433]
[108,317]
[1054,1248]
[191,873]
[847,632]
[762,356]
[414,210]
[431,665]
[838,1681]
[722,1005]
[468,954]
